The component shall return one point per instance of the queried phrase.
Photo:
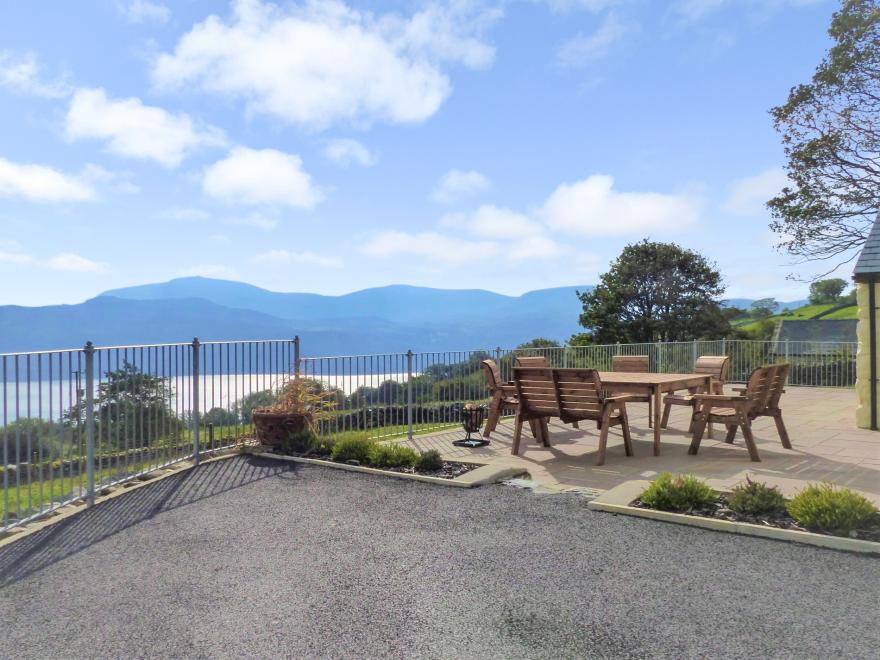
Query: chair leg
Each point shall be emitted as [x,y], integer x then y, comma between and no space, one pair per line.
[603,438]
[780,426]
[517,433]
[666,410]
[624,428]
[650,412]
[750,440]
[699,427]
[731,433]
[575,425]
[545,432]
[492,421]
[693,419]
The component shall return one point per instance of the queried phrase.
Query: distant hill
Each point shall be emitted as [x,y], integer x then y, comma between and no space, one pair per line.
[386,319]
[746,303]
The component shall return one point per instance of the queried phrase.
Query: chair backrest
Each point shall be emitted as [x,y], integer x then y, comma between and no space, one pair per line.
[639,364]
[570,394]
[777,386]
[539,361]
[493,374]
[759,389]
[716,366]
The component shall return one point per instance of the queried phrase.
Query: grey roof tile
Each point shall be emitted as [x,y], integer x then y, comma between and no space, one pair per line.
[868,263]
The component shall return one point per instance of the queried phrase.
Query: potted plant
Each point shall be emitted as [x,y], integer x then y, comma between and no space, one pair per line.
[301,404]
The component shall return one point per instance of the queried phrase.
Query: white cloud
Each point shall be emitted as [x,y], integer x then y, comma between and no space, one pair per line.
[322,62]
[430,245]
[534,247]
[209,270]
[142,11]
[258,220]
[592,207]
[748,195]
[261,176]
[135,130]
[22,74]
[457,184]
[185,213]
[68,261]
[15,258]
[303,258]
[115,181]
[345,152]
[41,183]
[585,48]
[593,6]
[493,222]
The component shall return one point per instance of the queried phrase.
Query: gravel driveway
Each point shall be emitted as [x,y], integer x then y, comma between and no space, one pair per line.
[246,557]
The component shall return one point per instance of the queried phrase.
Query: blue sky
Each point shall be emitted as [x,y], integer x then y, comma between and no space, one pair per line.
[329,147]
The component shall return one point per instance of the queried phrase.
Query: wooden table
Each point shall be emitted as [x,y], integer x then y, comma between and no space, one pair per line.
[653,385]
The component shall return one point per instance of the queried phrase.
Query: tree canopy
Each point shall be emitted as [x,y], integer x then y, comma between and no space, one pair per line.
[827,291]
[764,307]
[830,131]
[655,292]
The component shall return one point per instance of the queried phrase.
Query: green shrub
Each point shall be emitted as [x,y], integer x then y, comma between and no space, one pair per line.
[756,499]
[824,508]
[681,493]
[429,461]
[352,449]
[323,447]
[393,456]
[299,442]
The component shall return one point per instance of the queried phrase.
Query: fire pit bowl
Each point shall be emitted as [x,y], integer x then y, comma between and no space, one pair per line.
[472,417]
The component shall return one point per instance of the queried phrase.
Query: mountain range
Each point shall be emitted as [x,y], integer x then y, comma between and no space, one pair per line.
[376,320]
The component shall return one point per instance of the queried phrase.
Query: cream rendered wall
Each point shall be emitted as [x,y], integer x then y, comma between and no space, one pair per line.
[863,358]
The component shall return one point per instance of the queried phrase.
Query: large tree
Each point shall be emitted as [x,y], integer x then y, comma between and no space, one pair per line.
[655,292]
[827,291]
[830,131]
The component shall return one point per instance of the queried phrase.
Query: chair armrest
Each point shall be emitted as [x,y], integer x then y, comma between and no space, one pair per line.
[739,389]
[508,390]
[719,398]
[618,398]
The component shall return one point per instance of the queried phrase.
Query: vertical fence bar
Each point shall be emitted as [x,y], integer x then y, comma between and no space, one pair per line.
[194,393]
[296,360]
[89,351]
[409,395]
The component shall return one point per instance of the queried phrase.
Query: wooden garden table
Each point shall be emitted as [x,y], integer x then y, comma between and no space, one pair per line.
[653,385]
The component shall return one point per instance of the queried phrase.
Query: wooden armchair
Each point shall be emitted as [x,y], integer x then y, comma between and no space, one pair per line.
[716,366]
[759,398]
[503,395]
[539,362]
[638,364]
[572,395]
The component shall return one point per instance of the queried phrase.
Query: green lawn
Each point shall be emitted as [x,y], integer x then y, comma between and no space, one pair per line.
[802,313]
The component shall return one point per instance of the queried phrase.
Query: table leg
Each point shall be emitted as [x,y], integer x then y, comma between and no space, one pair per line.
[710,390]
[657,411]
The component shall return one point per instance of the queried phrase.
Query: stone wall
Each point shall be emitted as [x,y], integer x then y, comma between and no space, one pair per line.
[863,359]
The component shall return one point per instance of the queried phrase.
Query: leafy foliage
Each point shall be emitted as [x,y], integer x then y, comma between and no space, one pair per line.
[540,342]
[429,461]
[220,417]
[754,498]
[681,493]
[254,400]
[393,456]
[826,291]
[764,308]
[307,397]
[299,442]
[655,292]
[830,131]
[352,449]
[825,508]
[40,437]
[132,408]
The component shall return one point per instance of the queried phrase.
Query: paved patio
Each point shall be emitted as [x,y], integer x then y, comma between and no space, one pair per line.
[827,446]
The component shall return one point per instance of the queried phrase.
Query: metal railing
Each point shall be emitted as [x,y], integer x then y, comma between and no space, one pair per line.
[75,422]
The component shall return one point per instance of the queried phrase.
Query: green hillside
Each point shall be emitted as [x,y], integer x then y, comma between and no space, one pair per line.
[820,312]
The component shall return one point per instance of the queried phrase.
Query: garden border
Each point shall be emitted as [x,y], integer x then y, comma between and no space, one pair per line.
[485,474]
[619,499]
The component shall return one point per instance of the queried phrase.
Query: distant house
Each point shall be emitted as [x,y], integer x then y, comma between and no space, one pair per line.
[802,335]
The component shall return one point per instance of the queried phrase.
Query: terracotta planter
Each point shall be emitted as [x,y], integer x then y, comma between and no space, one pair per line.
[272,428]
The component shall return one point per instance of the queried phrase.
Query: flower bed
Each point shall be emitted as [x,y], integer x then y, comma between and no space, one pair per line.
[363,452]
[819,508]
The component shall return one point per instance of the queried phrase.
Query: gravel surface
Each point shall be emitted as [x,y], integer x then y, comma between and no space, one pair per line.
[247,557]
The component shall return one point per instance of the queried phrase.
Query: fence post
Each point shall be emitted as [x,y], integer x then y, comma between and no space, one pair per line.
[659,357]
[195,398]
[296,363]
[89,351]
[695,352]
[409,397]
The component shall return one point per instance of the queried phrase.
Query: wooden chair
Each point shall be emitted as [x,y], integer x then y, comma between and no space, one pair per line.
[760,398]
[637,364]
[716,366]
[503,397]
[572,395]
[540,362]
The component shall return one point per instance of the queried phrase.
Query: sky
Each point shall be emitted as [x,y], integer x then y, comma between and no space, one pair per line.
[330,146]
